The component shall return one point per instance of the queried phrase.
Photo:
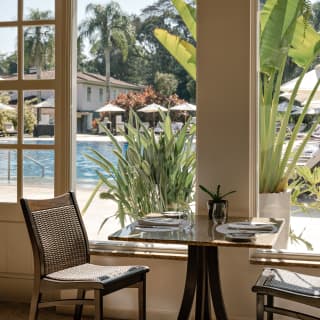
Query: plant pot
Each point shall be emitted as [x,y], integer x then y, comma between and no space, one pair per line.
[277,205]
[218,211]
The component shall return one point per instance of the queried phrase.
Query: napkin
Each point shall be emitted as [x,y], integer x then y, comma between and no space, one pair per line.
[252,226]
[151,222]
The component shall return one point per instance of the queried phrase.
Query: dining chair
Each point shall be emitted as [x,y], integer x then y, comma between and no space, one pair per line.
[62,259]
[286,285]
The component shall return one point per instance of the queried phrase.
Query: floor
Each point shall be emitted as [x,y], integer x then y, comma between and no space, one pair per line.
[19,311]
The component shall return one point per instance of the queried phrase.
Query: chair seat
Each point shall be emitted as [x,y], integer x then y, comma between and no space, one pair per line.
[293,282]
[95,273]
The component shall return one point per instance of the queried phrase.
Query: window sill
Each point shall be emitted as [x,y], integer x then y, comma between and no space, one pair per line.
[138,250]
[286,259]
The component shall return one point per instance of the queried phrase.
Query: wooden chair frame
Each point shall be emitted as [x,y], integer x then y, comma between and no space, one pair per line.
[43,284]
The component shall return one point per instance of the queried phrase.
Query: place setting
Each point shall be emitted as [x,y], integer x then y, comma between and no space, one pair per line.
[163,222]
[246,230]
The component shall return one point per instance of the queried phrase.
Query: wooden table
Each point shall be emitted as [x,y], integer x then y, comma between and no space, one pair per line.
[202,276]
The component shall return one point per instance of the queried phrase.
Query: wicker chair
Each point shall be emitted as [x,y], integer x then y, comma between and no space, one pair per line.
[287,285]
[61,259]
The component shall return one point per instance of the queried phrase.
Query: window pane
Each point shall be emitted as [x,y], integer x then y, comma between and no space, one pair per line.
[38,173]
[39,47]
[8,175]
[38,9]
[8,12]
[39,119]
[8,117]
[8,53]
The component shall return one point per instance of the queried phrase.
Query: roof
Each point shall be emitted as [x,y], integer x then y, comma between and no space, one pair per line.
[81,77]
[100,79]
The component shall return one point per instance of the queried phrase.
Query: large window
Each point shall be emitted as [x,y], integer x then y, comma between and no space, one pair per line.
[289,112]
[129,69]
[33,102]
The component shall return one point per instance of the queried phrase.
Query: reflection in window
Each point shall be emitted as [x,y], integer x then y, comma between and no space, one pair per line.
[46,8]
[8,12]
[8,53]
[39,116]
[39,47]
[8,117]
[38,174]
[8,175]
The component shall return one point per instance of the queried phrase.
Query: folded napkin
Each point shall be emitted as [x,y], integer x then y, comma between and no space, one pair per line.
[151,222]
[252,226]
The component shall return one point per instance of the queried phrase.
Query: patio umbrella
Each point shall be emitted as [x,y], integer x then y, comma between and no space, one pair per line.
[110,108]
[153,108]
[48,103]
[4,106]
[184,107]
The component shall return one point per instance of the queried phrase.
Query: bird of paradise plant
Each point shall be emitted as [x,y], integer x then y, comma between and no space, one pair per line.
[284,33]
[183,51]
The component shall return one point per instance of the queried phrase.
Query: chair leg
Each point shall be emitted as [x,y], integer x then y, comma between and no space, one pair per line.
[36,296]
[98,297]
[260,306]
[79,307]
[270,304]
[142,299]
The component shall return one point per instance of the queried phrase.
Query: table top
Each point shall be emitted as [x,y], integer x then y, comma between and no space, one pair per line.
[203,233]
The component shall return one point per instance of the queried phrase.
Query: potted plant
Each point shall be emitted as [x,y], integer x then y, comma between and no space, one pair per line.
[286,37]
[217,205]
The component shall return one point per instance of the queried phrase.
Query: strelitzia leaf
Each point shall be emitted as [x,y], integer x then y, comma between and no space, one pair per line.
[182,51]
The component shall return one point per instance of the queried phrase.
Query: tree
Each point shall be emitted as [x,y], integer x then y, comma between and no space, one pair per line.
[39,43]
[165,83]
[108,29]
[183,51]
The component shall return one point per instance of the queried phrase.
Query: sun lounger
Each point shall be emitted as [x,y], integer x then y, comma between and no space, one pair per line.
[9,129]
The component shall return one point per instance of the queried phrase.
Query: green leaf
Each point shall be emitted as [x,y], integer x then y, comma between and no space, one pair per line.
[182,51]
[188,15]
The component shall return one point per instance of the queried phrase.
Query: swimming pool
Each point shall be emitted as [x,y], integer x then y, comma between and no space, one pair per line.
[40,163]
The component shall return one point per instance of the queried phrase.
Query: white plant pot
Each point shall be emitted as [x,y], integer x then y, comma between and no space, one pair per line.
[277,205]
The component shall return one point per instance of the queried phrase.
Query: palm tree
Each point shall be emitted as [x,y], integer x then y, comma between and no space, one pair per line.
[109,28]
[39,43]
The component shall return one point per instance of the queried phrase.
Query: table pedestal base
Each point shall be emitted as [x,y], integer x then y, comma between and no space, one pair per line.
[202,278]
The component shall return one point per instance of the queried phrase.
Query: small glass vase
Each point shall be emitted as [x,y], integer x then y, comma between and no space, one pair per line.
[218,211]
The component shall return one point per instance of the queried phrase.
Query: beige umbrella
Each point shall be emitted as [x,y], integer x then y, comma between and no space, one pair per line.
[184,107]
[153,108]
[110,108]
[48,103]
[4,106]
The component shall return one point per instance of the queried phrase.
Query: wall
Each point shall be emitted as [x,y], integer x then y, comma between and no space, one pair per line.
[223,156]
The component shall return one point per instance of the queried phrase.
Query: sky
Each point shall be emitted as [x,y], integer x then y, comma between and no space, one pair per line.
[8,12]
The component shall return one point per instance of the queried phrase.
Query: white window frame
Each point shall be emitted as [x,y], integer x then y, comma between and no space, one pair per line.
[61,86]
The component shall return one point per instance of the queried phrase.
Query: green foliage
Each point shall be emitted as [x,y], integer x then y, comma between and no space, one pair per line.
[39,43]
[165,83]
[284,34]
[216,196]
[11,116]
[155,173]
[183,51]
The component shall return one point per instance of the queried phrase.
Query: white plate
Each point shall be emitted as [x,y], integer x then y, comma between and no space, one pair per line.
[241,237]
[173,214]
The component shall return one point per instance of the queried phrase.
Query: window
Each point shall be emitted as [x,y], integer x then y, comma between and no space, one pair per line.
[289,125]
[101,94]
[33,96]
[89,94]
[136,71]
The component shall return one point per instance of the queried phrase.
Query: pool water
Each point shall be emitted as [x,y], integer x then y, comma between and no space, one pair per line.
[40,163]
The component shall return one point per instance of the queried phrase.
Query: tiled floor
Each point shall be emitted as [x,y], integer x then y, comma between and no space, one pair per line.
[19,311]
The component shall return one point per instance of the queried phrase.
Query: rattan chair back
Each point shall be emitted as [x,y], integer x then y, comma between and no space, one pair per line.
[57,233]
